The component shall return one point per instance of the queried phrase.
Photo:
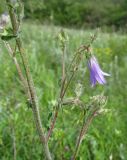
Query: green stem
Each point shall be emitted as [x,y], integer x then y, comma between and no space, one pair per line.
[63,70]
[19,70]
[52,125]
[83,133]
[64,91]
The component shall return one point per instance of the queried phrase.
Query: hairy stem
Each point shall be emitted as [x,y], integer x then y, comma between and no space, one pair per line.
[33,97]
[63,70]
[63,62]
[19,70]
[83,133]
[52,124]
[62,93]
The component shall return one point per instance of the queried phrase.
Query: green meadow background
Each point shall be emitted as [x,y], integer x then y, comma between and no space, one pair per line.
[107,136]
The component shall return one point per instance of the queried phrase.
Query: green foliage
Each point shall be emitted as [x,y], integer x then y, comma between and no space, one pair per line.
[7,34]
[88,13]
[76,13]
[2,6]
[107,135]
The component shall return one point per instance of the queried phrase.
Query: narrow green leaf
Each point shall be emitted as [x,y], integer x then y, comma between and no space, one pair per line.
[7,38]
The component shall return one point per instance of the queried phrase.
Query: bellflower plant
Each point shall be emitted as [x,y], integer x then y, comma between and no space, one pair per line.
[96,74]
[87,110]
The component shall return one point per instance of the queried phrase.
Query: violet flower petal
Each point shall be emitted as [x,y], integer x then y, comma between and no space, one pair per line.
[96,74]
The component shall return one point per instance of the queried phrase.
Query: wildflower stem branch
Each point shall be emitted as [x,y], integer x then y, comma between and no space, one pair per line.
[64,87]
[18,67]
[67,85]
[61,92]
[63,62]
[83,133]
[33,97]
[52,123]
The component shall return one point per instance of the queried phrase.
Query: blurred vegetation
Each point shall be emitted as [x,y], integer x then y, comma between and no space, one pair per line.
[106,138]
[77,13]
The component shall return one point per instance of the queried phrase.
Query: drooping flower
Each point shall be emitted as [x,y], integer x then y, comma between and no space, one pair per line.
[96,74]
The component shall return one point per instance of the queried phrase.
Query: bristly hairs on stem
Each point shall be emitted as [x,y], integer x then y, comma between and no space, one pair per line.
[74,65]
[18,67]
[33,97]
[63,38]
